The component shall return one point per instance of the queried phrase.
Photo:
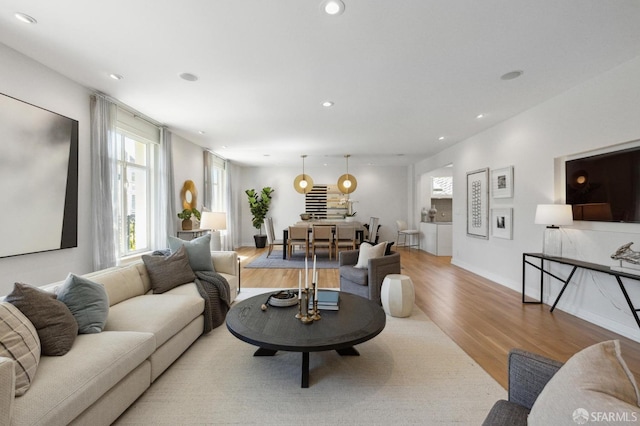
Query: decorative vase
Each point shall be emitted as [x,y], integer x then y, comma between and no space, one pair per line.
[432,213]
[187,225]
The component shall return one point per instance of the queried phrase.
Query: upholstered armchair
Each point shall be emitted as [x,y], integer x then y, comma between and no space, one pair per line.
[366,282]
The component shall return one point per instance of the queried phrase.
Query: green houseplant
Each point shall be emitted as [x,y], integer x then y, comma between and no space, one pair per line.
[259,205]
[185,215]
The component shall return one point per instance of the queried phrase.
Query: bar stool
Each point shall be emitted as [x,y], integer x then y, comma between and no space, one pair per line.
[404,232]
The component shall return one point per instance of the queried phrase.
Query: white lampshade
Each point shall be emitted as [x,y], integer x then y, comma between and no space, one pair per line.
[213,220]
[554,214]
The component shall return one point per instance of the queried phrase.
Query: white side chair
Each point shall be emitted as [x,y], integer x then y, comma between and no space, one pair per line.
[404,232]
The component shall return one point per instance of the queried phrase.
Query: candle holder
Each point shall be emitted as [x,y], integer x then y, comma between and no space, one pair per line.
[315,315]
[304,301]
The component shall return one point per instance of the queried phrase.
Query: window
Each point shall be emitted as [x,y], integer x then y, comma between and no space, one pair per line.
[136,142]
[215,185]
[442,186]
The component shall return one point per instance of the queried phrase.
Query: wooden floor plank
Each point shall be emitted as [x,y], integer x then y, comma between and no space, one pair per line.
[484,318]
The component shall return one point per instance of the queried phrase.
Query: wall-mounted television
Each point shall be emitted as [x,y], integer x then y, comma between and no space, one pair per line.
[605,187]
[38,179]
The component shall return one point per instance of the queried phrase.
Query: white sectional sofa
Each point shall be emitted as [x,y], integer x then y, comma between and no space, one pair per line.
[104,373]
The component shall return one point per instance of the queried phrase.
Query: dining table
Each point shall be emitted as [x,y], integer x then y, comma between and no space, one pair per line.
[325,222]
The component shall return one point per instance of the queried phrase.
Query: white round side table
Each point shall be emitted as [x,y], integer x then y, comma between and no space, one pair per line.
[397,295]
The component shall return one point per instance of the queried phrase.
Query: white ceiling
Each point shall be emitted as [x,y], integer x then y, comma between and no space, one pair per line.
[402,73]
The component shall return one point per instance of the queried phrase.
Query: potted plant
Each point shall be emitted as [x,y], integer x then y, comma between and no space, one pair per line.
[259,205]
[185,215]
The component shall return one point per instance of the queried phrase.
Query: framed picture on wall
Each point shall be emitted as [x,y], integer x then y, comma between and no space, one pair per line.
[478,203]
[502,182]
[502,223]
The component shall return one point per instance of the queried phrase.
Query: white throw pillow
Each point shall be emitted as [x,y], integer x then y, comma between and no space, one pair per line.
[594,385]
[367,251]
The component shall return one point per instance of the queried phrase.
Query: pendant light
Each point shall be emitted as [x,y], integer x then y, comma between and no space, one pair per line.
[347,183]
[303,183]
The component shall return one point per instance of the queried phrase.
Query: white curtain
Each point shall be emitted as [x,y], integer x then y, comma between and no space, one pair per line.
[165,206]
[103,180]
[211,161]
[233,212]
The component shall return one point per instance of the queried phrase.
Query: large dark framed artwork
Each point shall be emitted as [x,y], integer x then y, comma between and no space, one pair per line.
[478,203]
[38,179]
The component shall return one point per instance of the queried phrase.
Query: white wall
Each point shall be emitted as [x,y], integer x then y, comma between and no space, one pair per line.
[380,193]
[600,113]
[188,164]
[29,81]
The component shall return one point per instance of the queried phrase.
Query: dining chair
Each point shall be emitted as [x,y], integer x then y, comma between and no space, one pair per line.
[322,236]
[271,236]
[345,238]
[373,230]
[298,236]
[404,232]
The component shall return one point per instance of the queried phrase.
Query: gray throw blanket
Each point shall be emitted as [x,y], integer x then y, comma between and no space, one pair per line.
[214,289]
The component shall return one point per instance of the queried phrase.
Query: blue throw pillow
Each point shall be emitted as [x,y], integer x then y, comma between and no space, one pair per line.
[87,301]
[198,250]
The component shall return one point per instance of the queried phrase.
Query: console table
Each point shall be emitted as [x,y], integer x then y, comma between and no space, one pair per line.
[575,265]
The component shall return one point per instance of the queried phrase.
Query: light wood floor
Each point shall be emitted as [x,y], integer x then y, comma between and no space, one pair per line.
[484,318]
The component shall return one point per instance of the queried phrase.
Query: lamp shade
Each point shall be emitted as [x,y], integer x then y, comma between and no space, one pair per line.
[303,183]
[554,214]
[213,220]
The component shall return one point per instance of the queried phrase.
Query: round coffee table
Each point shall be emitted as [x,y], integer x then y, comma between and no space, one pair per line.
[276,329]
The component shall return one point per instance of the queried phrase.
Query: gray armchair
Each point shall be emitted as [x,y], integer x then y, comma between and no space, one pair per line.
[366,282]
[528,375]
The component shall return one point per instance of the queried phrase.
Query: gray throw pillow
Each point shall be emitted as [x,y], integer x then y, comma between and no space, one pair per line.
[87,301]
[198,249]
[56,327]
[167,272]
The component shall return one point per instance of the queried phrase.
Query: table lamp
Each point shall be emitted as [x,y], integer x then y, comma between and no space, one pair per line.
[215,222]
[554,216]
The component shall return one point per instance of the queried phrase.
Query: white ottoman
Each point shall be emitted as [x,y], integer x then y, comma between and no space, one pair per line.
[397,295]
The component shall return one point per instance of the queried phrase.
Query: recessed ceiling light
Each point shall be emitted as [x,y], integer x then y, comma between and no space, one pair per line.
[333,7]
[116,76]
[202,132]
[479,116]
[224,147]
[22,17]
[441,138]
[511,75]
[327,104]
[188,76]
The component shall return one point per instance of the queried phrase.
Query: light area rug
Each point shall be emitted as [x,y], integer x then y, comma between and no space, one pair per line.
[411,373]
[275,261]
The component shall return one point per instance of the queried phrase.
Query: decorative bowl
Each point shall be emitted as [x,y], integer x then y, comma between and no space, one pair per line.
[305,216]
[283,298]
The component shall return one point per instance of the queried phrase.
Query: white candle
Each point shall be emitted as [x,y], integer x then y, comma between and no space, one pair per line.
[306,274]
[299,285]
[314,268]
[315,296]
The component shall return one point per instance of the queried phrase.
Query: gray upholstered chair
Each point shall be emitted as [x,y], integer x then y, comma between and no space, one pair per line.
[528,375]
[366,282]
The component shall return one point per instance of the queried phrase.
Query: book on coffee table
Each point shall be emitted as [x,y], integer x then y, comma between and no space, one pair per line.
[328,300]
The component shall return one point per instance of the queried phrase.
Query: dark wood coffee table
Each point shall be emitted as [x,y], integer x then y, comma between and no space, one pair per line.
[277,329]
